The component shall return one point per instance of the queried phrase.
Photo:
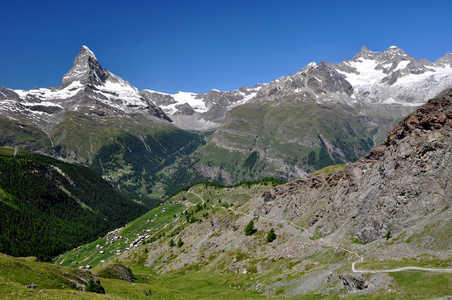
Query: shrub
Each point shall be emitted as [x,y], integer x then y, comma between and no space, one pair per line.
[388,235]
[93,287]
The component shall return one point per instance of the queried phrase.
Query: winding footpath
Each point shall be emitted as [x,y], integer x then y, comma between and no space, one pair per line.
[337,246]
[399,269]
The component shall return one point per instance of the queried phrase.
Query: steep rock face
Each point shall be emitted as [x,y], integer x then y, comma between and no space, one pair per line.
[86,70]
[87,86]
[400,183]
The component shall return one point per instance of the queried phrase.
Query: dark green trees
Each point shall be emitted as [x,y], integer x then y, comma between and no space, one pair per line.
[271,236]
[249,229]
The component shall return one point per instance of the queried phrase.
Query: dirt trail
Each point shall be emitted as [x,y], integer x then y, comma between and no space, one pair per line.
[399,270]
[336,246]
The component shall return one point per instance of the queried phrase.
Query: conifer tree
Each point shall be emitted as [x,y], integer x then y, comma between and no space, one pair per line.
[271,236]
[249,229]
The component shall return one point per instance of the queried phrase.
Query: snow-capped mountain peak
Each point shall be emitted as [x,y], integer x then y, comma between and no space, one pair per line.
[364,53]
[86,70]
[394,77]
[444,61]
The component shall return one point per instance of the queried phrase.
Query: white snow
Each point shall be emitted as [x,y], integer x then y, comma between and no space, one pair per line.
[402,65]
[367,83]
[438,74]
[391,100]
[367,74]
[51,94]
[190,98]
[43,103]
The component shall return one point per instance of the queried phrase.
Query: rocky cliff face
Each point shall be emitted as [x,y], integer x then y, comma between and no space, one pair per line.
[401,183]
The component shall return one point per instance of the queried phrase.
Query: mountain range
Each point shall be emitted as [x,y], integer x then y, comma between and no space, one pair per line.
[150,143]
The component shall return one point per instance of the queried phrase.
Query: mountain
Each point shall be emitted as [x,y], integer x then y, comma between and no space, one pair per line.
[96,118]
[323,114]
[49,206]
[357,230]
[201,111]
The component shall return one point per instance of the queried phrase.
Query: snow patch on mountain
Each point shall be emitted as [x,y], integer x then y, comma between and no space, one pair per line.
[47,94]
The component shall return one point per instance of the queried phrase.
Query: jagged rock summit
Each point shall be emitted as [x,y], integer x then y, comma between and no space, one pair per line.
[86,70]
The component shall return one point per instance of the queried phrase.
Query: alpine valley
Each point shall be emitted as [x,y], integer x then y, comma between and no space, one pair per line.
[328,183]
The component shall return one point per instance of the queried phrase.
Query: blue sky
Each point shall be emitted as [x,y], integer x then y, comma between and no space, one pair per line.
[196,46]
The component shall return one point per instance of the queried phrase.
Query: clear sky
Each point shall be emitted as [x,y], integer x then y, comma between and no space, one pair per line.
[196,46]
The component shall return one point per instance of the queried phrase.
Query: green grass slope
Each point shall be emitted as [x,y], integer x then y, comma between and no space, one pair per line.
[23,135]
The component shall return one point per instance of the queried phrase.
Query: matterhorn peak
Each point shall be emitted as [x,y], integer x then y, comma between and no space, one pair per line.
[86,51]
[86,70]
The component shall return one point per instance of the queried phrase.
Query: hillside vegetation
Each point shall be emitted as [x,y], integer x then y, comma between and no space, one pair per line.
[49,206]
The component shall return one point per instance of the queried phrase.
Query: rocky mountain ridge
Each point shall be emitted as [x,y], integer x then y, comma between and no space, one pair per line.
[389,77]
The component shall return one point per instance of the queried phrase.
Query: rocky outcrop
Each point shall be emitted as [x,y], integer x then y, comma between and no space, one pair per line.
[352,283]
[116,271]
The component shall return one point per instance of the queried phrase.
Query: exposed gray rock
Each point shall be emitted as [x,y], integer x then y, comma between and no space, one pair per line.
[184,109]
[445,60]
[32,286]
[86,70]
[353,283]
[398,184]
